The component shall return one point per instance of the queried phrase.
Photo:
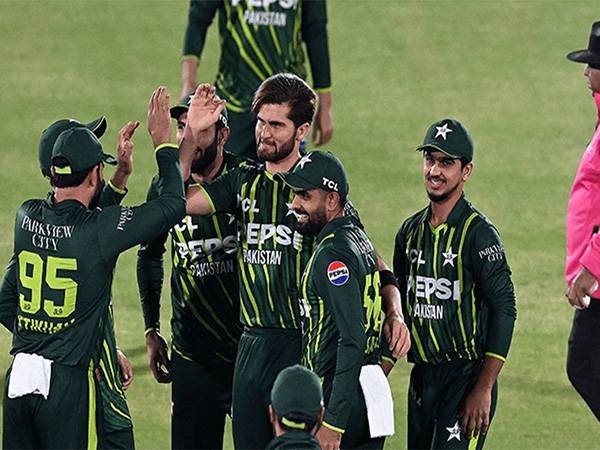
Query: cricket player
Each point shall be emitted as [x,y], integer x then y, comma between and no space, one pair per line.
[258,39]
[296,409]
[204,299]
[458,300]
[115,373]
[62,265]
[341,293]
[582,268]
[271,254]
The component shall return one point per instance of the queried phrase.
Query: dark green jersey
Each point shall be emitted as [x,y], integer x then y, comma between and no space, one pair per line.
[271,254]
[260,38]
[457,293]
[64,257]
[115,410]
[204,282]
[341,295]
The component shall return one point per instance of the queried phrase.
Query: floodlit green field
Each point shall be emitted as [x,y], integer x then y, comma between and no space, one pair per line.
[499,67]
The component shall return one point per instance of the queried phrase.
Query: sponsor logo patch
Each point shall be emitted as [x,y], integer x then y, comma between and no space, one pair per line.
[338,273]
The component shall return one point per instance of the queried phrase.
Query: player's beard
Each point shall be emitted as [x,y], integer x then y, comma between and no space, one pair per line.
[440,198]
[206,157]
[315,223]
[279,153]
[99,188]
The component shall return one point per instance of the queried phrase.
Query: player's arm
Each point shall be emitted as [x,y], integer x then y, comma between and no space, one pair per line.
[314,34]
[150,277]
[118,182]
[395,330]
[200,16]
[346,306]
[494,285]
[9,297]
[588,278]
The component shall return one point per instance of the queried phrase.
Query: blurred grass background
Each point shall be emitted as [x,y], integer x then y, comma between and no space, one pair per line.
[497,66]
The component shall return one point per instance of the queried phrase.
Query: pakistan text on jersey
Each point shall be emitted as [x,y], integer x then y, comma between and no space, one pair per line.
[41,326]
[442,288]
[203,269]
[271,257]
[428,311]
[265,18]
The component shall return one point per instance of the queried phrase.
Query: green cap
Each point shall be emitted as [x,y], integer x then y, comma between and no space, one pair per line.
[184,106]
[296,390]
[50,134]
[449,136]
[82,150]
[318,169]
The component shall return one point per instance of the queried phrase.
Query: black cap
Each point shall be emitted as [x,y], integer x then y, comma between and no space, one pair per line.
[591,55]
[50,134]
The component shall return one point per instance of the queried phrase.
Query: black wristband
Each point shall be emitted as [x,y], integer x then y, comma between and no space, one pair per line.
[387,277]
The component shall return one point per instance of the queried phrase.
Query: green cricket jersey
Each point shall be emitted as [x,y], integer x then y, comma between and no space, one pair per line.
[260,38]
[457,293]
[271,254]
[64,256]
[341,295]
[204,282]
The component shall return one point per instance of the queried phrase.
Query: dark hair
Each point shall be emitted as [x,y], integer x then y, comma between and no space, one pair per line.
[291,89]
[299,418]
[68,180]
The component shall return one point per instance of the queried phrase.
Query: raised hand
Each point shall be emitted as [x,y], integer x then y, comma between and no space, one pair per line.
[205,108]
[125,147]
[159,117]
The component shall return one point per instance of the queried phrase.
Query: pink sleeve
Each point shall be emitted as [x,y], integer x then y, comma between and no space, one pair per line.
[597,100]
[591,258]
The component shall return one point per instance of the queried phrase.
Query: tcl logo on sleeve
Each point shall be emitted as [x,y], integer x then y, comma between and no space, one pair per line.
[338,273]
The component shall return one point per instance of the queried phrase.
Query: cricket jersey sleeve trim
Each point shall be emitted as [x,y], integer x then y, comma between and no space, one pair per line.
[116,189]
[323,90]
[190,57]
[392,361]
[148,330]
[334,428]
[495,355]
[166,145]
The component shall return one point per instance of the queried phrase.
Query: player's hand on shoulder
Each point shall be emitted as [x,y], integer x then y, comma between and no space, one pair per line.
[158,357]
[159,117]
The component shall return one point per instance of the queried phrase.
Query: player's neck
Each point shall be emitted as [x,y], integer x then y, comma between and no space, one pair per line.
[74,193]
[285,164]
[209,172]
[441,210]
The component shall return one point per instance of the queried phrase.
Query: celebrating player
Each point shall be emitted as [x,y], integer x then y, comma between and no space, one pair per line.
[62,266]
[271,255]
[205,302]
[341,293]
[258,40]
[458,300]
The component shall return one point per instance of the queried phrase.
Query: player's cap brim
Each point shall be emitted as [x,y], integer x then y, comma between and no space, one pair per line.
[98,126]
[177,111]
[584,56]
[296,182]
[109,159]
[435,147]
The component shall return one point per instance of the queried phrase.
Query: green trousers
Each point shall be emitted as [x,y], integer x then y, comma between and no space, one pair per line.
[435,398]
[262,354]
[65,420]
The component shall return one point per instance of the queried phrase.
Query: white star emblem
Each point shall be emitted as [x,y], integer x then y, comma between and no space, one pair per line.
[290,210]
[442,131]
[306,159]
[449,257]
[231,218]
[454,432]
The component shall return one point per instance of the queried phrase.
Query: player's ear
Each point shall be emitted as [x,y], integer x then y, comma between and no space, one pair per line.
[467,170]
[334,201]
[223,135]
[302,131]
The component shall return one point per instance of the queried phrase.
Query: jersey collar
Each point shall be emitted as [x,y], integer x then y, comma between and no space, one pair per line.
[454,216]
[332,226]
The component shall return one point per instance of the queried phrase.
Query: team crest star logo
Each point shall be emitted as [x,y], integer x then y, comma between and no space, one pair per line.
[454,432]
[230,217]
[290,210]
[442,131]
[449,257]
[305,160]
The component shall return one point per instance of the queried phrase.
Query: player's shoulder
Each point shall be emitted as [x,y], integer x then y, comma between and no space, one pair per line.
[412,222]
[232,161]
[480,227]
